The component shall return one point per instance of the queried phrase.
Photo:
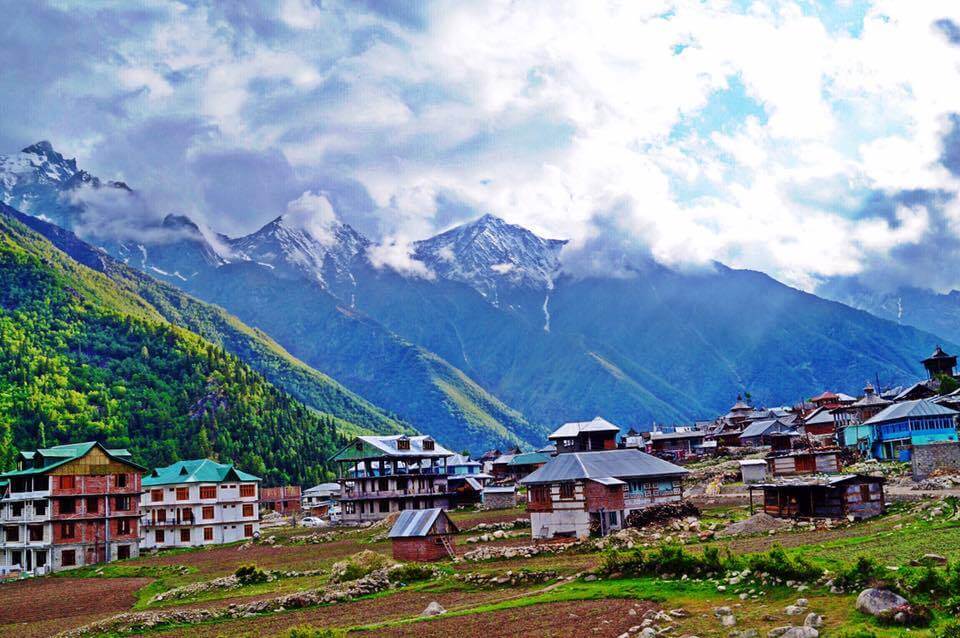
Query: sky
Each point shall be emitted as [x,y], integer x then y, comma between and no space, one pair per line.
[810,140]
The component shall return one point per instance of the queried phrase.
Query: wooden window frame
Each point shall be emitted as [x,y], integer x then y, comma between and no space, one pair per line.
[208,512]
[568,491]
[208,533]
[248,490]
[183,494]
[208,491]
[247,510]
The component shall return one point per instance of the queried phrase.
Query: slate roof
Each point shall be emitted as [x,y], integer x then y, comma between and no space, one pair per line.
[568,430]
[415,523]
[628,463]
[58,455]
[910,409]
[196,471]
[759,428]
[871,399]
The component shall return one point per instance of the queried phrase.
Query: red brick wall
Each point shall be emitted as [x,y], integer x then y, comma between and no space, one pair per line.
[418,549]
[603,497]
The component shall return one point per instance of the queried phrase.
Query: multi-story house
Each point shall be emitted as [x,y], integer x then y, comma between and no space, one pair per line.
[892,432]
[582,492]
[585,436]
[68,506]
[383,474]
[199,502]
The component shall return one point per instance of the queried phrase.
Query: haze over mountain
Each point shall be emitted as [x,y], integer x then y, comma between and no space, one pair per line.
[493,341]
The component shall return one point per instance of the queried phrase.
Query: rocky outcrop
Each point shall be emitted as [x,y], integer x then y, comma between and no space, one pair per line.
[877,601]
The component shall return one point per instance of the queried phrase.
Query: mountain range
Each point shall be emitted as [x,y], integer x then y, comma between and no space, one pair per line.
[494,342]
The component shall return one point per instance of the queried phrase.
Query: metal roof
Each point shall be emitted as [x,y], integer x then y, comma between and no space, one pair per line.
[388,446]
[628,463]
[529,458]
[664,436]
[910,410]
[820,415]
[568,430]
[196,471]
[53,457]
[817,481]
[414,523]
[759,428]
[505,489]
[608,481]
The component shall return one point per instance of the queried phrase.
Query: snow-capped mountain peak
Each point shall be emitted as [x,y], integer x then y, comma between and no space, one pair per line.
[489,253]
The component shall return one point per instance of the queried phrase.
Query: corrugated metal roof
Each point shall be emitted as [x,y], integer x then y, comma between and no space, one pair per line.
[608,481]
[628,463]
[412,523]
[819,416]
[817,481]
[196,471]
[910,409]
[759,428]
[664,436]
[529,458]
[508,489]
[568,430]
[58,455]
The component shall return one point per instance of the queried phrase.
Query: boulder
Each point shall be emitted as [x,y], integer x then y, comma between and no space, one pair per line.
[814,620]
[433,609]
[876,601]
[800,632]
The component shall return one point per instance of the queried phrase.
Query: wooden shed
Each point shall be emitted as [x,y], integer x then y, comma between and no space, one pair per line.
[823,497]
[423,535]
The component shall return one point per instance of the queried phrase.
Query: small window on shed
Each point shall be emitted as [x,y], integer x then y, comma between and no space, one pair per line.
[865,492]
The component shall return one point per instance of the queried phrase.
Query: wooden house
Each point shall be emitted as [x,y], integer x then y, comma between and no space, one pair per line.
[585,436]
[423,535]
[809,461]
[283,499]
[760,432]
[583,492]
[837,496]
[676,444]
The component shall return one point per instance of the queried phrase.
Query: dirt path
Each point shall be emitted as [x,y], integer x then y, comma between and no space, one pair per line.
[44,606]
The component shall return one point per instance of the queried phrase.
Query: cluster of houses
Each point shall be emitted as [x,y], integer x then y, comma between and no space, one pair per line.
[73,505]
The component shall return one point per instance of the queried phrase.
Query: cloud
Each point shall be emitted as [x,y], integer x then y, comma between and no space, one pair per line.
[313,213]
[777,135]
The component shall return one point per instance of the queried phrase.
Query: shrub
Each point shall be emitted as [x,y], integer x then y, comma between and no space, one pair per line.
[411,573]
[952,605]
[859,632]
[250,574]
[950,630]
[306,631]
[863,573]
[928,580]
[668,559]
[778,564]
[914,615]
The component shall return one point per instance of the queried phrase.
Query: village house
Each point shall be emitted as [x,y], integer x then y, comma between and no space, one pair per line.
[838,496]
[465,478]
[891,433]
[284,499]
[869,405]
[585,436]
[68,506]
[760,432]
[383,474]
[500,466]
[808,461]
[678,444]
[423,535]
[820,425]
[318,500]
[580,492]
[198,502]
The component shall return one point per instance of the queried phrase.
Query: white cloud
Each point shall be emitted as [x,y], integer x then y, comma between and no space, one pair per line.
[313,213]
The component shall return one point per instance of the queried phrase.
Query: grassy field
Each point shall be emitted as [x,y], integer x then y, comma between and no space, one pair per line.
[578,599]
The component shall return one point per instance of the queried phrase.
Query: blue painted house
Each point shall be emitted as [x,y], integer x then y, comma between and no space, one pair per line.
[891,432]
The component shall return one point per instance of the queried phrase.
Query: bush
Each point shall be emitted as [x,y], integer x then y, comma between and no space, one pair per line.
[776,563]
[668,559]
[250,574]
[928,580]
[866,572]
[950,630]
[306,631]
[911,616]
[859,632]
[411,573]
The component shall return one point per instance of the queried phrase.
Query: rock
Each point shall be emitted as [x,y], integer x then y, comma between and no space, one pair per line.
[813,620]
[800,632]
[433,609]
[589,578]
[648,632]
[719,612]
[793,610]
[778,631]
[801,602]
[876,601]
[728,621]
[933,559]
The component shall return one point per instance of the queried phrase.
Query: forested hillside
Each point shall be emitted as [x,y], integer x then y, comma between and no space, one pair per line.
[81,358]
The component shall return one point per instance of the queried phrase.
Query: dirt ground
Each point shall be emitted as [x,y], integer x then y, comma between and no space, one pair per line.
[370,610]
[65,604]
[557,620]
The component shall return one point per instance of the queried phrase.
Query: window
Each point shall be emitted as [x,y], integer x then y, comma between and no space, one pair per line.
[383,485]
[184,536]
[93,505]
[36,533]
[68,530]
[208,491]
[41,559]
[13,534]
[384,507]
[665,486]
[404,444]
[248,509]
[40,508]
[183,493]
[248,531]
[15,558]
[161,516]
[68,482]
[208,533]
[613,518]
[16,509]
[636,487]
[864,492]
[428,444]
[68,557]
[208,512]
[566,490]
[248,489]
[120,480]
[123,526]
[123,552]
[68,506]
[156,496]
[540,494]
[158,536]
[122,503]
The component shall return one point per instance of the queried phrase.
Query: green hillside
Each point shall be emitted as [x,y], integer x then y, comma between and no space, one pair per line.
[217,326]
[83,358]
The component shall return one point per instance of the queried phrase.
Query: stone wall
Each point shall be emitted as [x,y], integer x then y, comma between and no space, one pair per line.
[499,500]
[935,456]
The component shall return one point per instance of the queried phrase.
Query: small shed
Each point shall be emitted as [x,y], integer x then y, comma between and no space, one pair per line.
[753,470]
[499,498]
[837,496]
[423,535]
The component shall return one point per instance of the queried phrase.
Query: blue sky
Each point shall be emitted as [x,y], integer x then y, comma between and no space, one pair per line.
[784,136]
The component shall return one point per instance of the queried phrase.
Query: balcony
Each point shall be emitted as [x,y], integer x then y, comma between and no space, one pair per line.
[358,495]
